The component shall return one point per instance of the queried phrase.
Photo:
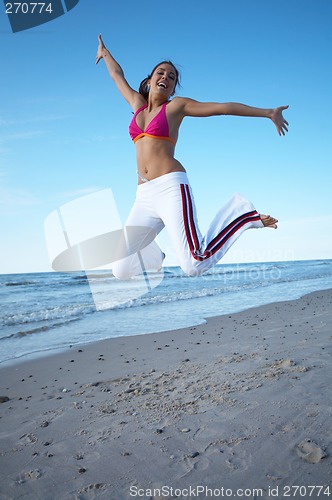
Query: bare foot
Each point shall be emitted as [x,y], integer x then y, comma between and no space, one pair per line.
[268,221]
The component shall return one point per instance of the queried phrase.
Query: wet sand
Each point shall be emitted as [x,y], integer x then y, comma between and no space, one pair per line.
[242,402]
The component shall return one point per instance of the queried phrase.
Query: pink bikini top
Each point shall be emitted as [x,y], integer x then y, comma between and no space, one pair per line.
[156,129]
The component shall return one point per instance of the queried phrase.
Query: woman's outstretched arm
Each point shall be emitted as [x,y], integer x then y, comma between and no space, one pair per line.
[116,73]
[191,107]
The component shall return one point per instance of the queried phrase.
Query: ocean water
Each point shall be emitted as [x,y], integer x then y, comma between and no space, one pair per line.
[40,312]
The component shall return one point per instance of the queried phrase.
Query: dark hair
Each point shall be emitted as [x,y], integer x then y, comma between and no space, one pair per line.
[143,88]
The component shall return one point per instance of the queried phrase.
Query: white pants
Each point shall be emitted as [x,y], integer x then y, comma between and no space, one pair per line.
[167,201]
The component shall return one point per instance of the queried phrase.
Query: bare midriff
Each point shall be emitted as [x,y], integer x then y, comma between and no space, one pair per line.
[155,157]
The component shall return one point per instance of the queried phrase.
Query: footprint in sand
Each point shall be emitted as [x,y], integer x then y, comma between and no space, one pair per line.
[90,492]
[311,452]
[29,438]
[237,463]
[89,458]
[189,463]
[26,476]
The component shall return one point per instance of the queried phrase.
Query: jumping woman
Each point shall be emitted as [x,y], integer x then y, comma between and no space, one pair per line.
[164,197]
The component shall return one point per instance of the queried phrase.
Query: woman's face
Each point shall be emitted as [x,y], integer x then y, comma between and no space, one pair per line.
[163,80]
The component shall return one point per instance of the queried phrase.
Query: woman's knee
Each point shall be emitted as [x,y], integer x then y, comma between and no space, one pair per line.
[191,269]
[121,271]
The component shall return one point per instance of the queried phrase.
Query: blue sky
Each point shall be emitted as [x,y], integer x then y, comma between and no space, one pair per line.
[63,125]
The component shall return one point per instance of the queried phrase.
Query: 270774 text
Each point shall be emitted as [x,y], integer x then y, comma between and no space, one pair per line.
[28,7]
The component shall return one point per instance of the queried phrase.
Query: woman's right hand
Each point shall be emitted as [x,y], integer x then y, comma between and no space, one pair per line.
[101,49]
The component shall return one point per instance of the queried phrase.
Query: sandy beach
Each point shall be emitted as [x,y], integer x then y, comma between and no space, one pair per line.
[239,406]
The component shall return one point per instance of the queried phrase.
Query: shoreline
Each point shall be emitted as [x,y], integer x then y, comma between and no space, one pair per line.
[243,401]
[53,351]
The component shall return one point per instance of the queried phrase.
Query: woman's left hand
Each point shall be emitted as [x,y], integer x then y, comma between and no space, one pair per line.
[278,119]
